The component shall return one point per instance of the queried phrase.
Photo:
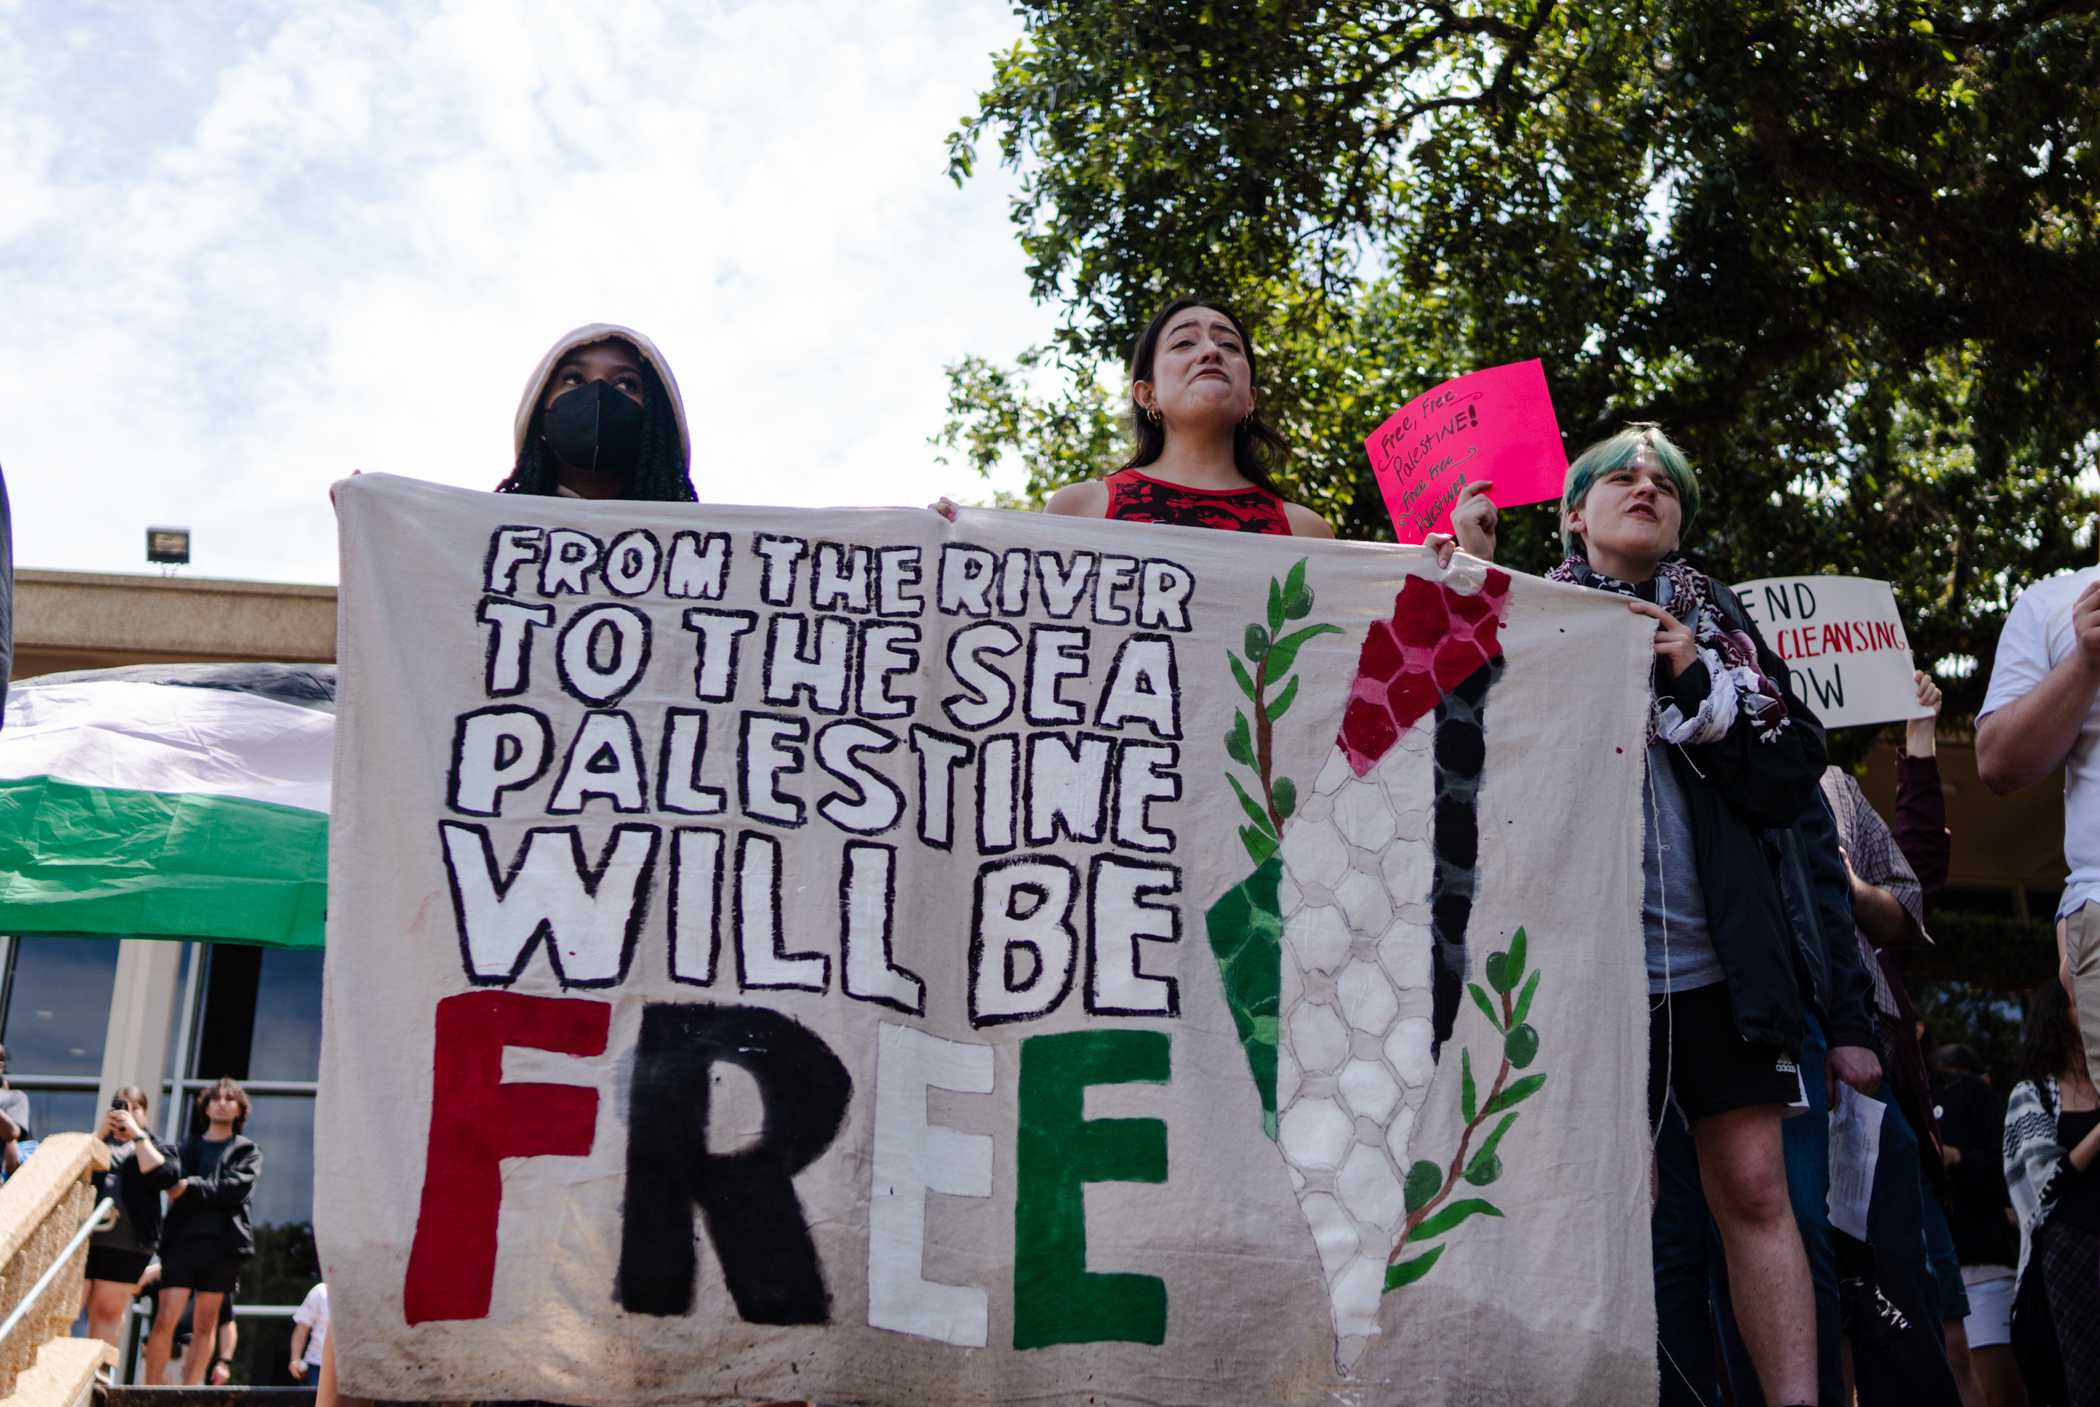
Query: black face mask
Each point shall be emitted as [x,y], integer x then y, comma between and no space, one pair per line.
[595,428]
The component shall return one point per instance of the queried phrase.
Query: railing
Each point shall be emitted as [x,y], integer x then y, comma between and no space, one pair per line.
[47,1210]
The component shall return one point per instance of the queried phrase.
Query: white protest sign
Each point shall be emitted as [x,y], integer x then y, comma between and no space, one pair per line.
[851,956]
[1844,642]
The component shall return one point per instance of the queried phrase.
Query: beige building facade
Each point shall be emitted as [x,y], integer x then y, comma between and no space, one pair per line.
[83,1016]
[94,620]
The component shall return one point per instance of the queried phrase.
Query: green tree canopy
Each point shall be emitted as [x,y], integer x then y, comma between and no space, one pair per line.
[1849,254]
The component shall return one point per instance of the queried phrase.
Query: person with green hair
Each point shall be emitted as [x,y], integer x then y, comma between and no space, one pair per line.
[1731,752]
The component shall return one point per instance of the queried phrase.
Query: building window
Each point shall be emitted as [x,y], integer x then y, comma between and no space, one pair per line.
[253,1015]
[54,1024]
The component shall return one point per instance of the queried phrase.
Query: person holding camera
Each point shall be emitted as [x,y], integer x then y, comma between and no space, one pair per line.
[141,1167]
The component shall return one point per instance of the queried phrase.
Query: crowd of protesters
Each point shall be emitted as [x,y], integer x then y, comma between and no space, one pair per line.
[1777,905]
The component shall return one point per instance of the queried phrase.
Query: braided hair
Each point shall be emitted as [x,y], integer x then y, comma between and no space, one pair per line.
[660,473]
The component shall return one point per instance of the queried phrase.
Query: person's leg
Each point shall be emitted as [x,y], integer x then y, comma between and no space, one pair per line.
[1958,1362]
[204,1333]
[1951,1297]
[229,1342]
[1679,1230]
[1999,1376]
[106,1302]
[1805,1139]
[2071,1280]
[1989,1334]
[160,1344]
[327,1394]
[1899,1353]
[1743,1169]
[2078,935]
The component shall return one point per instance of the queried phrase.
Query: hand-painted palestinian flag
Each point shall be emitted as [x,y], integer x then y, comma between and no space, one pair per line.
[169,801]
[1344,955]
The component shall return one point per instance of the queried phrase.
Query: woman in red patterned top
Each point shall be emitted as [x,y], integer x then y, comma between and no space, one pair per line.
[1203,452]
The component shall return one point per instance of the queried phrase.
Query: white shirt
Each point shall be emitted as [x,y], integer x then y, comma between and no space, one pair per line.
[2038,638]
[313,1313]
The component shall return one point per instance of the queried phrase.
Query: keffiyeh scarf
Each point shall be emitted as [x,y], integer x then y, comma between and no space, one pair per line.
[2033,1158]
[1738,687]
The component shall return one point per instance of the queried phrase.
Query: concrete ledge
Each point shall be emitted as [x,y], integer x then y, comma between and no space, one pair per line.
[60,1163]
[86,620]
[63,1374]
[203,1396]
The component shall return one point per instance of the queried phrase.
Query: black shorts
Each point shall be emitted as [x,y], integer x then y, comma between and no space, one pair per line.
[116,1265]
[1696,1059]
[204,1268]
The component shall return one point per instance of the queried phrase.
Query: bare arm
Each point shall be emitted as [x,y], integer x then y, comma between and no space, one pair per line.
[1087,500]
[1304,522]
[2027,739]
[1921,736]
[1881,915]
[2081,1157]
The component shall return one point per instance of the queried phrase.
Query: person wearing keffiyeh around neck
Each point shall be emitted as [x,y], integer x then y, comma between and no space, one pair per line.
[2051,1143]
[1732,752]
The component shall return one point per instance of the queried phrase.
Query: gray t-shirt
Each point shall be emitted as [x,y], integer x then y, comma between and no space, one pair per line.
[1681,953]
[15,1104]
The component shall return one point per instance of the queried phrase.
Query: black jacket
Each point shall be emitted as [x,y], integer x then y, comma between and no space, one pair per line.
[1735,789]
[1972,1119]
[213,1212]
[138,1196]
[1818,897]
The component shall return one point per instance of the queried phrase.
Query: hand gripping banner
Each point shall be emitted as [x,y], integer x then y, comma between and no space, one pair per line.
[857,957]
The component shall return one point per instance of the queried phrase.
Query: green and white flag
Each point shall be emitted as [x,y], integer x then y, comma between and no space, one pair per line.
[169,801]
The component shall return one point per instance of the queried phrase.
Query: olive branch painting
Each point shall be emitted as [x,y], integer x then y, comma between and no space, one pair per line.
[1430,1213]
[1273,654]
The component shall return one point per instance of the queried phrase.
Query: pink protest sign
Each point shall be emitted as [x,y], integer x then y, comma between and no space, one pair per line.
[1493,424]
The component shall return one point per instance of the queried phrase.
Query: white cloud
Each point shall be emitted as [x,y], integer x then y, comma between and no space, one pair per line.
[241,257]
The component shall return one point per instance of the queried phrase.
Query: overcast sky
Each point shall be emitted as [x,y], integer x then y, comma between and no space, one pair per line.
[247,248]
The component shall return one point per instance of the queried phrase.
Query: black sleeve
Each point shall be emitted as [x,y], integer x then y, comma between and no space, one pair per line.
[1971,1121]
[1851,988]
[167,1174]
[229,1185]
[1770,778]
[1921,822]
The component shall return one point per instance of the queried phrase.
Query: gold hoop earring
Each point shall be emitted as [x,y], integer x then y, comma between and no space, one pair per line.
[1152,413]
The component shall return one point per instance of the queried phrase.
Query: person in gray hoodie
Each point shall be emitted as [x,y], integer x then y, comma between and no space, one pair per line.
[601,417]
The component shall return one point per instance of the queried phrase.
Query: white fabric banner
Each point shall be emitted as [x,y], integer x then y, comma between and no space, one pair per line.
[857,957]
